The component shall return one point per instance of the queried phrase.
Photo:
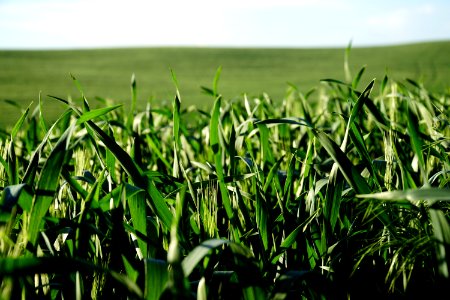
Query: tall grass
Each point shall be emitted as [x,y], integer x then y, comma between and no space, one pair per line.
[335,194]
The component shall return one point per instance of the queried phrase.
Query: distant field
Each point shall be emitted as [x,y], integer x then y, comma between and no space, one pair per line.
[107,72]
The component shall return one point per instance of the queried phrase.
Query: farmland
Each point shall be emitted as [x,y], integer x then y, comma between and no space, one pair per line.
[341,193]
[106,72]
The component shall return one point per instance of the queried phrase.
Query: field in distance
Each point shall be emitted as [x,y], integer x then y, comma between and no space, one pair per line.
[106,73]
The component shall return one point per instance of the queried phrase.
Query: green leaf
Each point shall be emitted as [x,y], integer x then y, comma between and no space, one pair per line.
[441,232]
[262,216]
[273,171]
[347,73]
[351,174]
[156,201]
[156,278]
[19,123]
[216,81]
[214,140]
[266,154]
[414,133]
[133,102]
[426,193]
[137,206]
[358,78]
[200,252]
[47,184]
[17,194]
[92,114]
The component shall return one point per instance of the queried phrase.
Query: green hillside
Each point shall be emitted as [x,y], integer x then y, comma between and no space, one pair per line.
[107,72]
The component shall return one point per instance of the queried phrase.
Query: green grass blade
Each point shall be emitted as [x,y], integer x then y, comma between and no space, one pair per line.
[200,252]
[416,141]
[266,153]
[216,82]
[351,174]
[156,276]
[137,206]
[214,139]
[12,170]
[356,110]
[95,113]
[48,182]
[426,193]
[333,196]
[133,101]
[273,171]
[348,75]
[262,219]
[441,232]
[357,78]
[16,194]
[19,123]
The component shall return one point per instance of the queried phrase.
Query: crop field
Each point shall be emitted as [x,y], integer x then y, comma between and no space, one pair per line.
[341,193]
[105,73]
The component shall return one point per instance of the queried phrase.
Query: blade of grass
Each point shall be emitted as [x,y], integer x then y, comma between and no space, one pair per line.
[95,113]
[425,193]
[47,184]
[195,256]
[156,275]
[214,139]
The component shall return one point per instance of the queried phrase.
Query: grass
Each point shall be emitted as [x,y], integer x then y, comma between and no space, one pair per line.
[342,197]
[107,71]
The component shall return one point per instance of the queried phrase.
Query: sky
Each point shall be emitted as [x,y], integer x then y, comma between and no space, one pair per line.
[72,24]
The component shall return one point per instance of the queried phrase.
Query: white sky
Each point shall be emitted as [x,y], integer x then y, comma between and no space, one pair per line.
[28,24]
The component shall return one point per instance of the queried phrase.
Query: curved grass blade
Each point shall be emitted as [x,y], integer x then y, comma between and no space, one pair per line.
[137,206]
[426,193]
[358,78]
[19,123]
[157,202]
[92,114]
[351,174]
[195,256]
[33,165]
[48,182]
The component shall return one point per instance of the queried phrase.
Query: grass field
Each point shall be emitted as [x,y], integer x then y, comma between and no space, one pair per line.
[342,194]
[348,199]
[107,72]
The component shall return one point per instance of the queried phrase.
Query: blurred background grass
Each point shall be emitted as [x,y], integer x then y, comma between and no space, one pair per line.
[106,73]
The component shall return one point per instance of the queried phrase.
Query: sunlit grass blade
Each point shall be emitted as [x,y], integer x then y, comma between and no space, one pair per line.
[416,141]
[137,206]
[425,193]
[199,253]
[216,82]
[348,75]
[19,123]
[349,171]
[95,113]
[357,78]
[47,184]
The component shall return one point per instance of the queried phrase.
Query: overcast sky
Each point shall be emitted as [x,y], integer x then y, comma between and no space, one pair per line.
[31,24]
